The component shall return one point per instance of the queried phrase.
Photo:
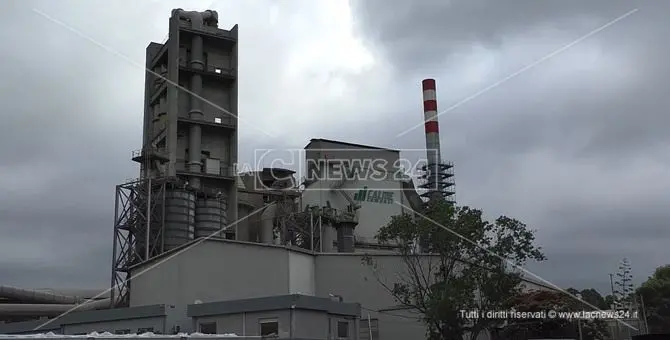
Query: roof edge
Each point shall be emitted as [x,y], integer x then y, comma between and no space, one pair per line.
[349,144]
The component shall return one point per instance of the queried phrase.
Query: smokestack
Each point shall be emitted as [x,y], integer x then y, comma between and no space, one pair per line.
[432,137]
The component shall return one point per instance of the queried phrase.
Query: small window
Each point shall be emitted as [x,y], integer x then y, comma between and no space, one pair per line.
[217,70]
[122,331]
[208,328]
[79,333]
[343,330]
[145,330]
[269,328]
[217,120]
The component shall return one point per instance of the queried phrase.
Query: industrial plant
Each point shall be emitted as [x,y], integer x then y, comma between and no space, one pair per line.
[199,247]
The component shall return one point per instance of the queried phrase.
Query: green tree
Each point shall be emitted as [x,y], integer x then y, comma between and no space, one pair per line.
[655,293]
[624,285]
[464,264]
[543,301]
[590,296]
[572,291]
[593,297]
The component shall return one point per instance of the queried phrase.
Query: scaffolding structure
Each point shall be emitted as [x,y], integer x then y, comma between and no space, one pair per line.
[441,184]
[298,228]
[139,217]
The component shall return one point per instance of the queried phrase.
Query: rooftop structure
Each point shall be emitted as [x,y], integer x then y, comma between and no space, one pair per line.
[187,186]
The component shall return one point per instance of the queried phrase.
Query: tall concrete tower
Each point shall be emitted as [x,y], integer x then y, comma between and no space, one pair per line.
[438,174]
[187,186]
[190,113]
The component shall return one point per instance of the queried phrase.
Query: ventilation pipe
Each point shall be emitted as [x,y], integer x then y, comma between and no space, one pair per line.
[16,309]
[36,296]
[197,19]
[328,236]
[432,137]
[267,223]
[345,237]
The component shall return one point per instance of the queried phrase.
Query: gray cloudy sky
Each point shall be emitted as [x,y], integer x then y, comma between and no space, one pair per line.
[576,147]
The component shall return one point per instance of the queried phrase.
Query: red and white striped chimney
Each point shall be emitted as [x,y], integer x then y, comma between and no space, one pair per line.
[432,132]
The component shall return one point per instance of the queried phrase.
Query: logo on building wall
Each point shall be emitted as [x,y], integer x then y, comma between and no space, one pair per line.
[374,196]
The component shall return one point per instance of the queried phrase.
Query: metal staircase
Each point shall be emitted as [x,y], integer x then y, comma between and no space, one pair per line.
[337,186]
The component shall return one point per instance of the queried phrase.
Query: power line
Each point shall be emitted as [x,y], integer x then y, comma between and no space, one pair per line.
[415,318]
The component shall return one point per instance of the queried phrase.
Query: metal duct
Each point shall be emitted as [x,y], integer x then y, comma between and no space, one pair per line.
[328,237]
[267,223]
[50,309]
[36,296]
[198,18]
[345,237]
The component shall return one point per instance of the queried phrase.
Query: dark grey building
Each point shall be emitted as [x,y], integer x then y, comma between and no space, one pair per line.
[291,317]
[190,117]
[188,182]
[285,316]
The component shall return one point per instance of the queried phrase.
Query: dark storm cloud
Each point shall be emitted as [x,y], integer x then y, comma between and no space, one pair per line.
[64,142]
[72,113]
[570,146]
[420,34]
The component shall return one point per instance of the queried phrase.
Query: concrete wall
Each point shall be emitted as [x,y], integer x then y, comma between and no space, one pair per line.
[214,271]
[154,337]
[30,327]
[131,320]
[319,149]
[347,276]
[301,324]
[247,324]
[301,274]
[155,325]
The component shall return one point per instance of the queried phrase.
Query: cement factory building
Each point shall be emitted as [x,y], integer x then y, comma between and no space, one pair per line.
[199,247]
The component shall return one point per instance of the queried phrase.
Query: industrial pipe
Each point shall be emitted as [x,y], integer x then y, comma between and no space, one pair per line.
[197,18]
[267,223]
[20,309]
[36,296]
[328,237]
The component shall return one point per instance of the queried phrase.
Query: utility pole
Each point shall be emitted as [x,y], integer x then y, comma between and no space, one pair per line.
[613,306]
[612,287]
[579,321]
[625,288]
[644,315]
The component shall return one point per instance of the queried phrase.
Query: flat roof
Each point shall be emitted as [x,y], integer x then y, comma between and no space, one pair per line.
[114,314]
[279,302]
[348,144]
[28,326]
[200,240]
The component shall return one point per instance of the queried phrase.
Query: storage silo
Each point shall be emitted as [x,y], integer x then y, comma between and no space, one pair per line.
[210,216]
[180,213]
